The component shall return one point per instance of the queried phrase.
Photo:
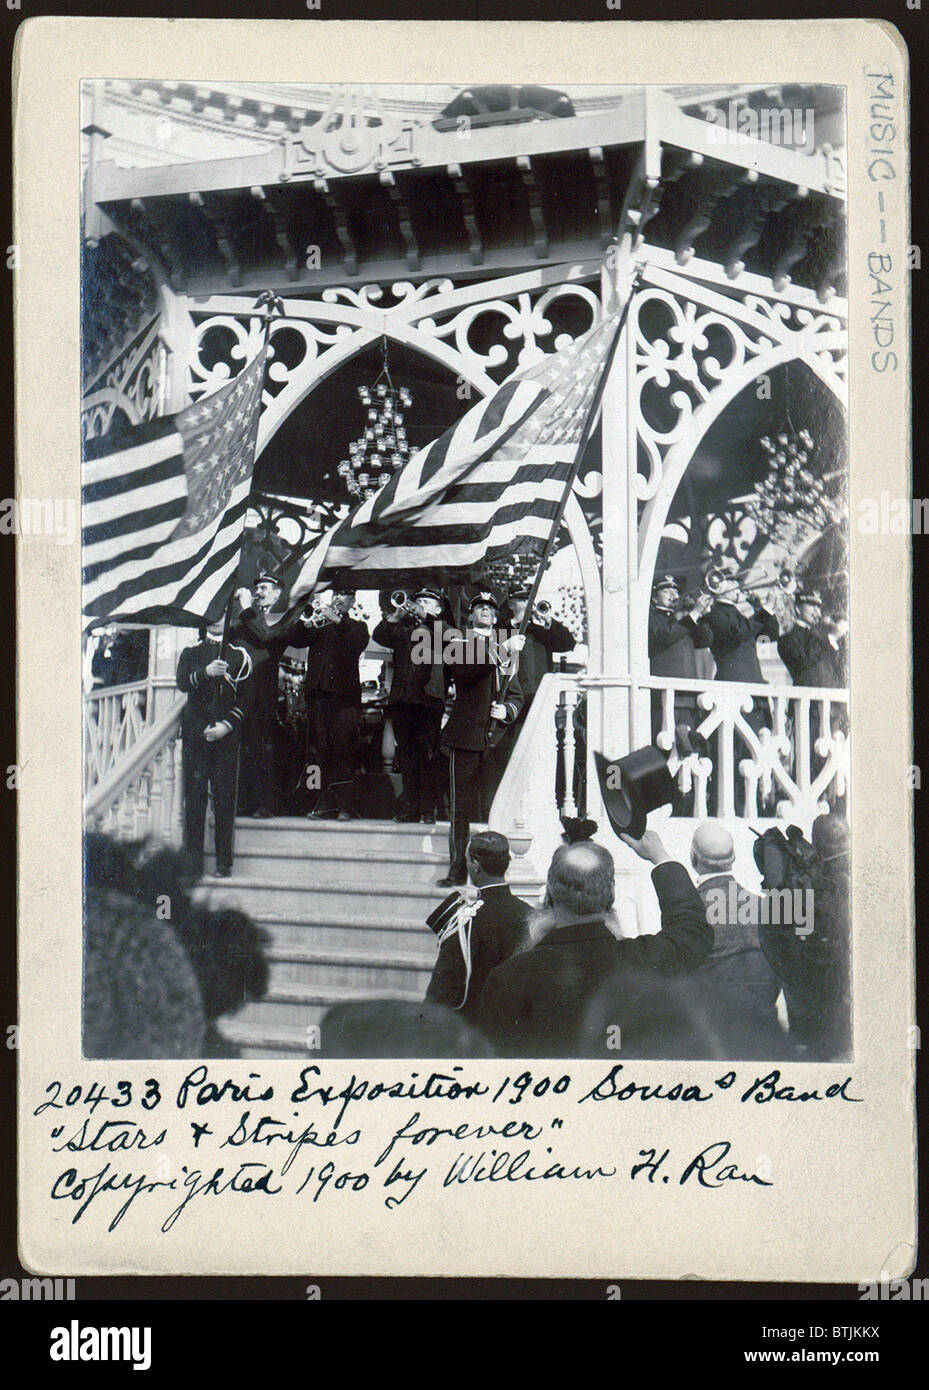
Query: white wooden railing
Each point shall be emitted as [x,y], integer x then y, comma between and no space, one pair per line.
[792,767]
[141,795]
[114,719]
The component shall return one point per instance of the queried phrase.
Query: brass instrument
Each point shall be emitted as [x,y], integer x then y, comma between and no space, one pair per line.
[718,579]
[543,608]
[402,604]
[319,616]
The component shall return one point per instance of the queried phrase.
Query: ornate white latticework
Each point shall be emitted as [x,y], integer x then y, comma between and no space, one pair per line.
[778,768]
[131,384]
[444,321]
[702,348]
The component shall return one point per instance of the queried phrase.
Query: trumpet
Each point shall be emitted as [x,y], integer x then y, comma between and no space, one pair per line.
[401,603]
[319,616]
[543,608]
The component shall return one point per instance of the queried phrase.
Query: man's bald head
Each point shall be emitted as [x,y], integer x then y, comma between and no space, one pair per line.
[581,880]
[712,849]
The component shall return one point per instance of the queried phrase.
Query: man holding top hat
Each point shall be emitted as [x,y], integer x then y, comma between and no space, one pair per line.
[482,665]
[416,699]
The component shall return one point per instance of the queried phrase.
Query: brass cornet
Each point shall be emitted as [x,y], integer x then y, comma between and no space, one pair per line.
[401,602]
[319,616]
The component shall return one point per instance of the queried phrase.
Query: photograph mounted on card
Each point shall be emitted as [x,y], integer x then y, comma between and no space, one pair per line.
[470,709]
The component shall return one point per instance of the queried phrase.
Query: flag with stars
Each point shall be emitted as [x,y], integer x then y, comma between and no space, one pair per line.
[163,514]
[492,481]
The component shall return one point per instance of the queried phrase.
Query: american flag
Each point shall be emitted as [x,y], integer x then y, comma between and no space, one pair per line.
[163,513]
[495,478]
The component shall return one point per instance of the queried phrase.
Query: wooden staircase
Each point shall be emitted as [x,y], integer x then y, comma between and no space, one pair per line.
[345,905]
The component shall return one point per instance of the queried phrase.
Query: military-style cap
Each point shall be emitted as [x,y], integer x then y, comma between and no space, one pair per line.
[266,577]
[668,581]
[428,592]
[518,595]
[484,596]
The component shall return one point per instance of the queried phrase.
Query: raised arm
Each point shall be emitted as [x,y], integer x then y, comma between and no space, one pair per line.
[686,937]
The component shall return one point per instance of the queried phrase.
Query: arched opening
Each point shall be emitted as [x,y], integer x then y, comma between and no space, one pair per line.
[710,514]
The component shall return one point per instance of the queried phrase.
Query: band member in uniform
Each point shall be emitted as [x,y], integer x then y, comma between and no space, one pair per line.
[416,700]
[332,689]
[544,637]
[733,635]
[673,639]
[733,645]
[814,649]
[219,693]
[480,664]
[266,640]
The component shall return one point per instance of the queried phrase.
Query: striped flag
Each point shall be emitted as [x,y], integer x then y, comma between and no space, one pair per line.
[494,479]
[163,513]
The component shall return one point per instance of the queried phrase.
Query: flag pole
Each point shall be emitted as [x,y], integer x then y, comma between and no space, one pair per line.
[584,440]
[274,309]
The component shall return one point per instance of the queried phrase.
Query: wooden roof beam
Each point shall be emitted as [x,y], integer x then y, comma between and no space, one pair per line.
[475,244]
[151,230]
[281,235]
[218,222]
[536,211]
[401,207]
[337,209]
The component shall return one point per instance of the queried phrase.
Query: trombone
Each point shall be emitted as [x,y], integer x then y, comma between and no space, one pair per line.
[757,577]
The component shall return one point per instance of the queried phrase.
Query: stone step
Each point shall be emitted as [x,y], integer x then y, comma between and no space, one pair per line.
[371,867]
[383,941]
[298,833]
[303,836]
[296,1008]
[389,903]
[310,969]
[266,1039]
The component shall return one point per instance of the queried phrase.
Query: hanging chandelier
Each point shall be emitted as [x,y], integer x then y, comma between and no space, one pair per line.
[382,448]
[792,503]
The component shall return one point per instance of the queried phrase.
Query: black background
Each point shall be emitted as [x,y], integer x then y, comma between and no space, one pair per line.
[676,1326]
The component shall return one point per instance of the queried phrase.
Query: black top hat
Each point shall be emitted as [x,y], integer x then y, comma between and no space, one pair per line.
[633,786]
[484,596]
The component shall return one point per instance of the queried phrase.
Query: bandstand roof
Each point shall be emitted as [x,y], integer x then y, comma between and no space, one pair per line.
[384,189]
